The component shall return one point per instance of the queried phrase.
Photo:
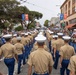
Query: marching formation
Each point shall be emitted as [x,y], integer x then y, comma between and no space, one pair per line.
[42,50]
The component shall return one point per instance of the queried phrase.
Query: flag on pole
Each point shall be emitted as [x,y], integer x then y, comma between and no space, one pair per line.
[23,17]
[65,16]
[61,16]
[26,17]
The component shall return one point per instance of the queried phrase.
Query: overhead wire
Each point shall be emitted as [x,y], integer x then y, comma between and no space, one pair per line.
[37,6]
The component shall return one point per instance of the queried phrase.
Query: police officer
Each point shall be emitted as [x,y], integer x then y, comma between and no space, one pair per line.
[72,65]
[59,42]
[40,59]
[19,50]
[9,52]
[66,52]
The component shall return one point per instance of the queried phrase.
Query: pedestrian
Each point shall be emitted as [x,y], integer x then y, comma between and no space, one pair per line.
[66,52]
[72,65]
[40,59]
[19,49]
[58,44]
[9,52]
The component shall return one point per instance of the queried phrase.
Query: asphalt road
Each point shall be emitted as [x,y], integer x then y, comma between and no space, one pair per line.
[4,70]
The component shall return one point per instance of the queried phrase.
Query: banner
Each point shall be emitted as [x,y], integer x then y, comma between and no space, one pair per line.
[61,16]
[65,16]
[23,17]
[26,17]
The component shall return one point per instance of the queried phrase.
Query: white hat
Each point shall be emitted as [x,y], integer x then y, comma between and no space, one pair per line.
[66,37]
[18,38]
[26,33]
[15,35]
[40,39]
[39,35]
[29,33]
[55,36]
[22,33]
[51,32]
[7,36]
[74,29]
[60,34]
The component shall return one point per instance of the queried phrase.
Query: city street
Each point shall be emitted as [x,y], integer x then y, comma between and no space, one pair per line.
[36,33]
[24,69]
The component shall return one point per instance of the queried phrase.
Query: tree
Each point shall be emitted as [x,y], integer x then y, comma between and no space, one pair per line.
[34,15]
[19,28]
[31,25]
[46,23]
[11,11]
[6,7]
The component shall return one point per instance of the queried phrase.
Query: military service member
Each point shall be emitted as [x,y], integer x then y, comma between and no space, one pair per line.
[14,39]
[9,52]
[72,65]
[53,42]
[66,52]
[40,59]
[59,43]
[19,49]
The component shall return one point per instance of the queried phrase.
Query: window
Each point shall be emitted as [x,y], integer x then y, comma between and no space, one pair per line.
[69,8]
[66,9]
[73,2]
[69,4]
[73,10]
[72,21]
[73,6]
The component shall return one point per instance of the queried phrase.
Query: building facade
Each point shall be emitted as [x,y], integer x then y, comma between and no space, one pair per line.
[68,8]
[55,21]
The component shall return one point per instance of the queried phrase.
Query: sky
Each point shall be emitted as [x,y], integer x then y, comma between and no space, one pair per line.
[49,8]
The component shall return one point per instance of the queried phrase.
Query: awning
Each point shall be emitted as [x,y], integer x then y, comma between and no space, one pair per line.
[70,26]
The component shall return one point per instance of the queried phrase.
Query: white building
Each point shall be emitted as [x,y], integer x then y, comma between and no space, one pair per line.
[55,21]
